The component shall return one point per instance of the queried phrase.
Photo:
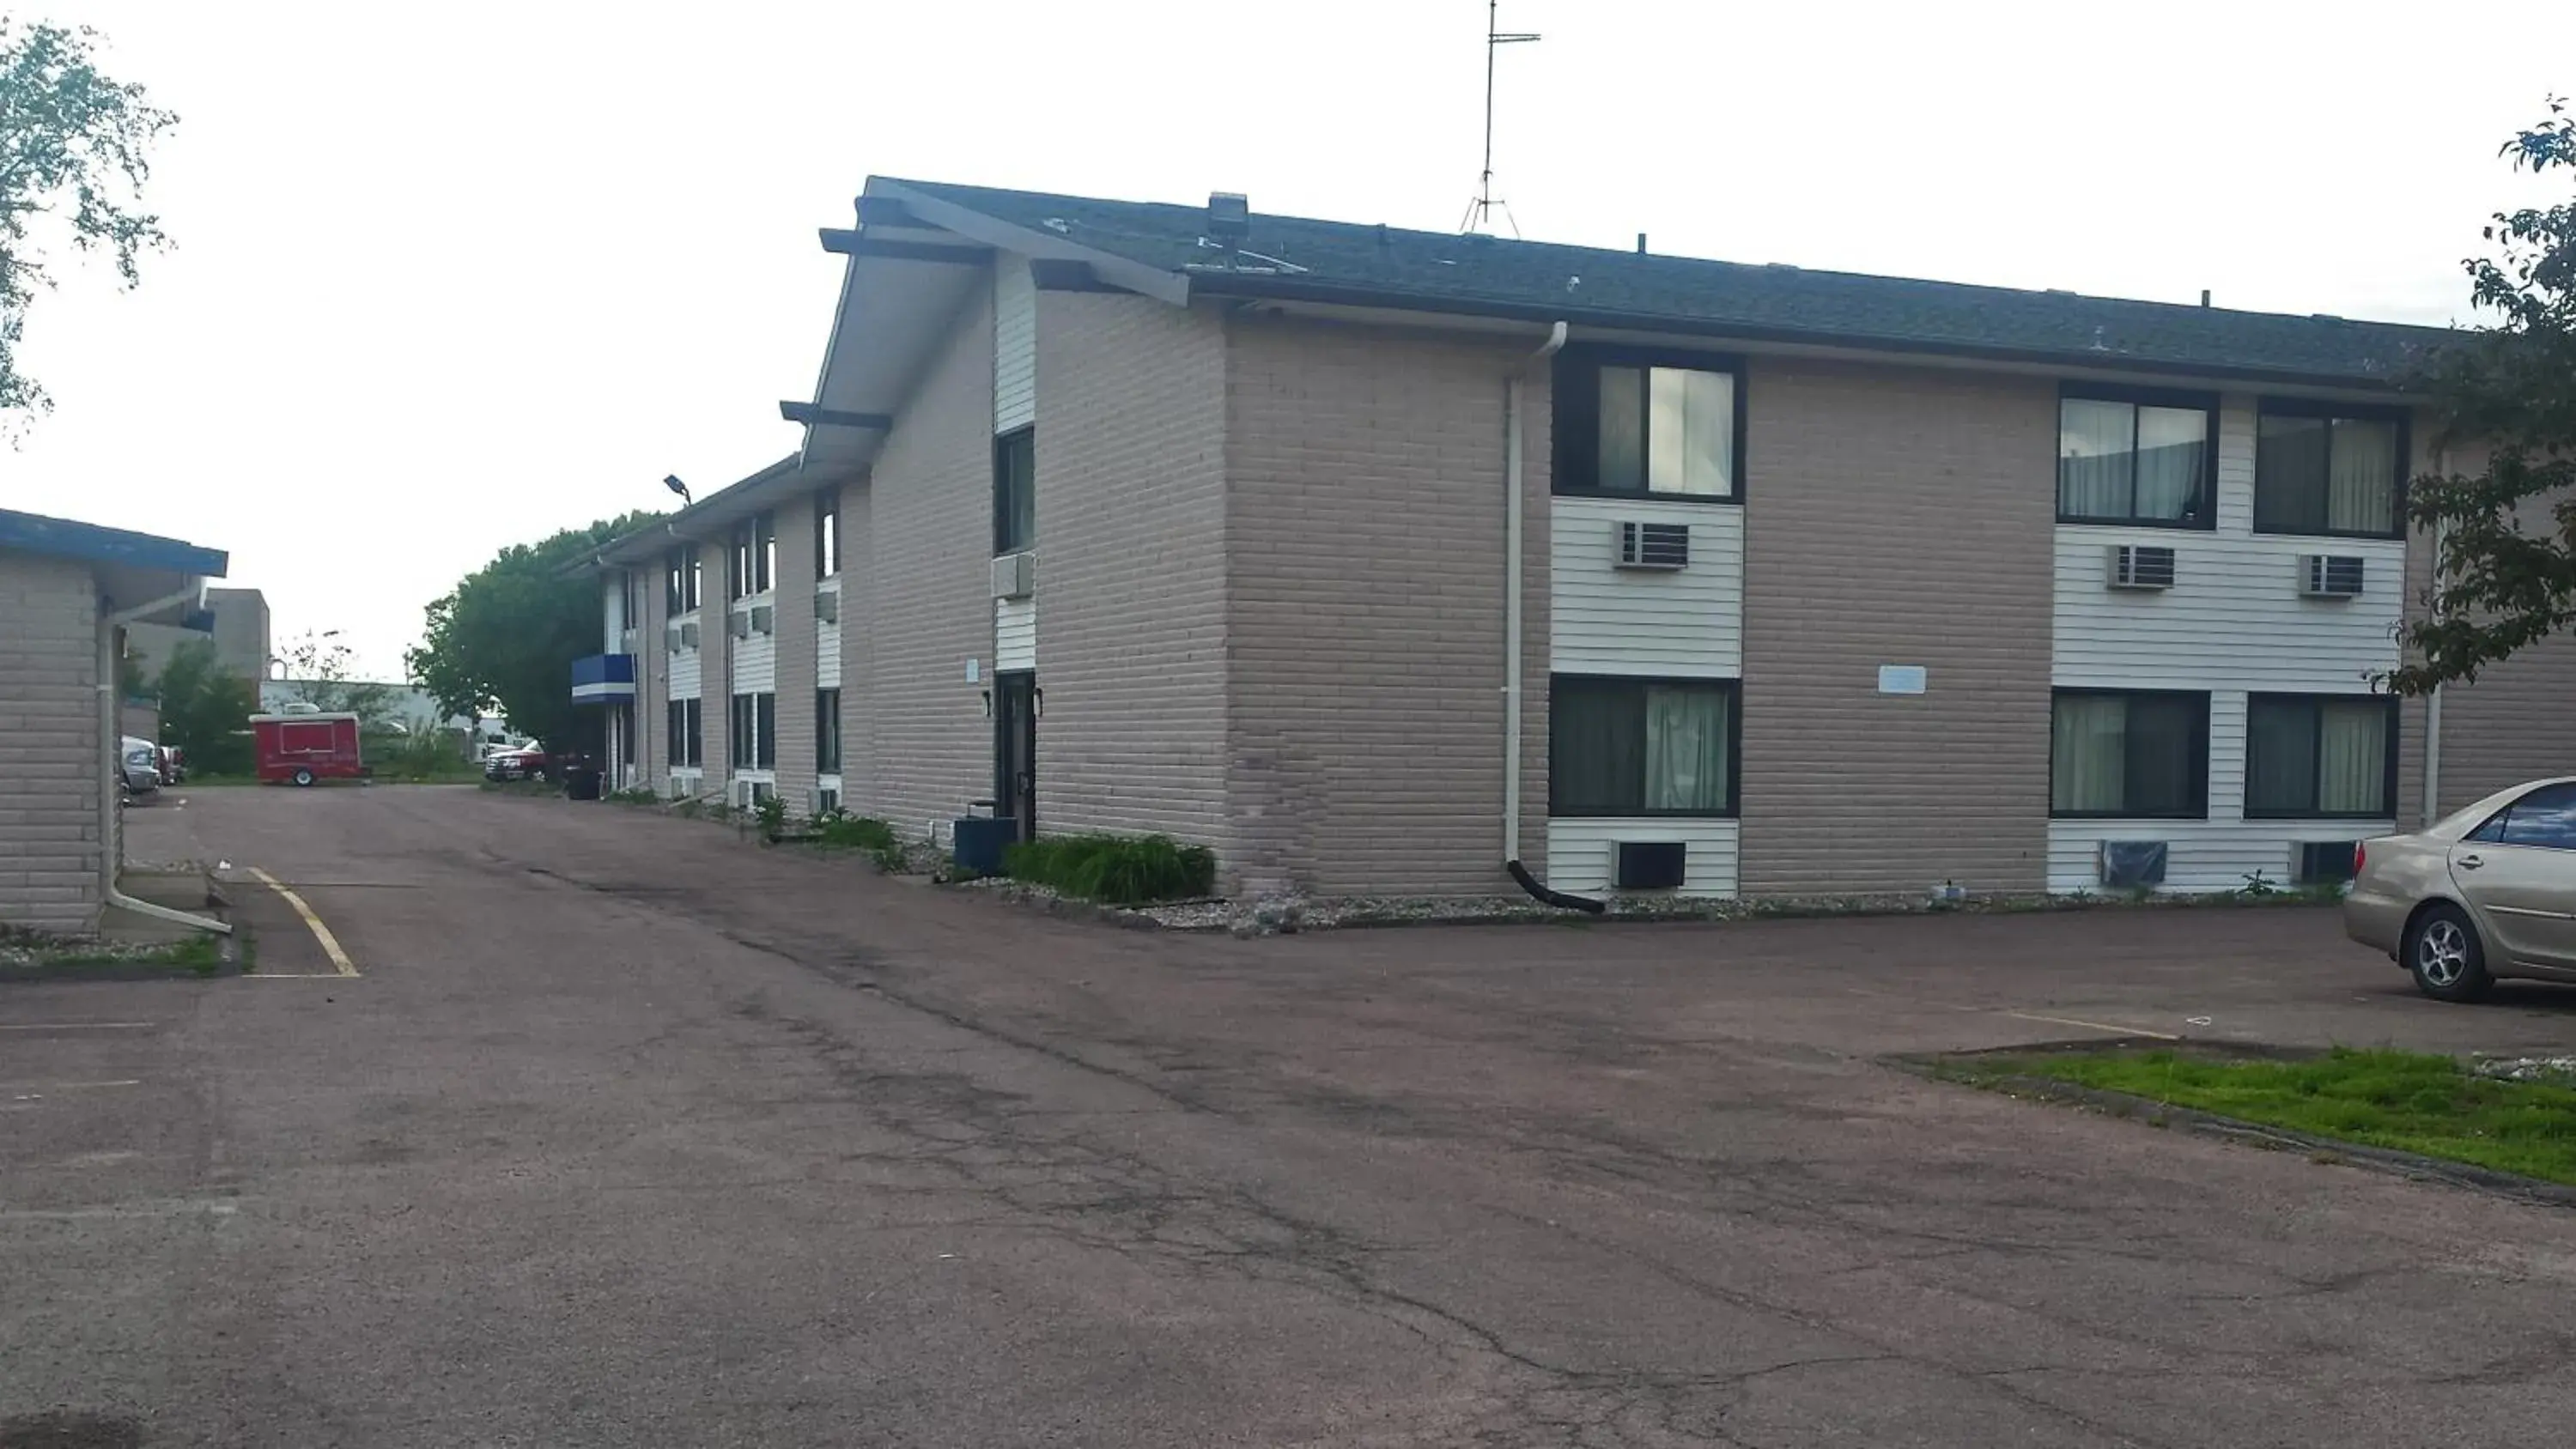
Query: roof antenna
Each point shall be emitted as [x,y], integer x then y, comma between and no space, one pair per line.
[1480,212]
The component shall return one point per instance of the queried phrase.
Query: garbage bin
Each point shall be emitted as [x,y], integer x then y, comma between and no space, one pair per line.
[980,842]
[581,782]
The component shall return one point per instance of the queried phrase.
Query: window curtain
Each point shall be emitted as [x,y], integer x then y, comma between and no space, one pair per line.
[2171,442]
[2361,486]
[2085,753]
[1685,749]
[2352,759]
[2163,774]
[2094,460]
[1690,436]
[2281,757]
[2289,473]
[1623,430]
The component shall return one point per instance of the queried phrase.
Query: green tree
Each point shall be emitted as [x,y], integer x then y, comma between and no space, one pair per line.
[206,710]
[507,635]
[73,147]
[321,671]
[2507,556]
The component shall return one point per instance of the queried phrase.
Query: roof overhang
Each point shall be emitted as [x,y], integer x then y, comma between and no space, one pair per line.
[131,569]
[708,517]
[912,265]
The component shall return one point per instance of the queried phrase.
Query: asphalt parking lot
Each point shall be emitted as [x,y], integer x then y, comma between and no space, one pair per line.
[626,1131]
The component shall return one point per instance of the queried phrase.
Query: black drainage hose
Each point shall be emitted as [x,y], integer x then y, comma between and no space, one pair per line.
[1558,899]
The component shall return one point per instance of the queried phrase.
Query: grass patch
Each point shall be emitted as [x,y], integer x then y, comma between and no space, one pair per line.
[2408,1101]
[1119,870]
[833,830]
[198,954]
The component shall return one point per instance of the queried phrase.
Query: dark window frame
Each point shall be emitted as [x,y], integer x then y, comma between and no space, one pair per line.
[752,730]
[1007,446]
[1733,692]
[688,740]
[1575,468]
[2288,407]
[827,534]
[2199,810]
[2388,783]
[680,580]
[827,731]
[2207,403]
[755,557]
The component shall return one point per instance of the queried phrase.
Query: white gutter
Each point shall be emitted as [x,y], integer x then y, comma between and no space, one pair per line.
[2433,699]
[1513,565]
[110,834]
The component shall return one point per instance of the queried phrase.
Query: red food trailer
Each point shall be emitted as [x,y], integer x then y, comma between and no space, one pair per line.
[299,749]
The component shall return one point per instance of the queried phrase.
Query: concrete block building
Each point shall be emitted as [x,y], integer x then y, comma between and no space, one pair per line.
[1376,559]
[68,592]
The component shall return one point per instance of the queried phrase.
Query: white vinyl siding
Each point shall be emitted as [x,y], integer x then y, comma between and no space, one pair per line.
[827,644]
[1582,855]
[1015,344]
[612,601]
[755,661]
[2233,624]
[1688,623]
[1015,634]
[685,663]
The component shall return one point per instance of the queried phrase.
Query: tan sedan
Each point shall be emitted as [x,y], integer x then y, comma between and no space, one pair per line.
[2489,892]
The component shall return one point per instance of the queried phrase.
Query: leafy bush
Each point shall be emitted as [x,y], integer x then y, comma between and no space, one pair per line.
[836,830]
[1121,870]
[771,809]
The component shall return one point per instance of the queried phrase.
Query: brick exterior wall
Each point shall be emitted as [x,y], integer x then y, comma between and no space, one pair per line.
[2514,723]
[52,764]
[1896,516]
[928,575]
[794,621]
[1131,575]
[1364,623]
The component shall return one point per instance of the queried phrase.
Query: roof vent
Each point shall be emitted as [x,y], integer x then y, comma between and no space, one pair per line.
[1229,218]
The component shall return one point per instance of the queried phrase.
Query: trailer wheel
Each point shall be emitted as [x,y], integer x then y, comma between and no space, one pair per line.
[303,778]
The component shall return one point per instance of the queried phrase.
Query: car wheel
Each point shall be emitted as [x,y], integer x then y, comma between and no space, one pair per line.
[303,778]
[2445,957]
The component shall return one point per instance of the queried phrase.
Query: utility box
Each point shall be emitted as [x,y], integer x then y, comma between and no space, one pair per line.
[980,841]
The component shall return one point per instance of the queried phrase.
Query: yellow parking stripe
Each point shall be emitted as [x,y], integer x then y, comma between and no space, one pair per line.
[322,933]
[2094,1025]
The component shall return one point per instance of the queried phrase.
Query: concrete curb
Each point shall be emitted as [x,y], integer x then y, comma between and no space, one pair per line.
[1945,1067]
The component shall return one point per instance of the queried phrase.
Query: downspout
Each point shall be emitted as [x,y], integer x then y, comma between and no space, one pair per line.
[1513,564]
[2433,699]
[111,841]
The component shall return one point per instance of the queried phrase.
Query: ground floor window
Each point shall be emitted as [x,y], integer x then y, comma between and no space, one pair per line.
[688,743]
[1619,746]
[752,730]
[2320,756]
[2133,754]
[827,731]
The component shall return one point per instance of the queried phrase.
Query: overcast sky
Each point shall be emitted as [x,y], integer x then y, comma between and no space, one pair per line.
[453,277]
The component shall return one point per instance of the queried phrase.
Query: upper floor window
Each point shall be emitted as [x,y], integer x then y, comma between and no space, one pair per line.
[2320,756]
[755,556]
[2136,754]
[2135,457]
[1015,491]
[827,533]
[1620,746]
[680,579]
[2329,469]
[1649,426]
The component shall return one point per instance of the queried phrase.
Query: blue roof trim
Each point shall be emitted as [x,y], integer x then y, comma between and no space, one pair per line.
[65,538]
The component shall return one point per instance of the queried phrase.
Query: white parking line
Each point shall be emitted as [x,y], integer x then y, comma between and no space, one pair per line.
[78,1025]
[2094,1025]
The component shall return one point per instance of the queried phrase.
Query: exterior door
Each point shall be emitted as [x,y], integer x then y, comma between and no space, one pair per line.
[1015,750]
[2519,870]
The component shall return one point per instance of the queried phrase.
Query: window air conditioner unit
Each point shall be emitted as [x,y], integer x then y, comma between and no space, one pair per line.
[1015,575]
[826,801]
[689,635]
[2321,862]
[671,638]
[738,625]
[1653,545]
[827,606]
[2141,566]
[764,619]
[2123,864]
[1651,865]
[2330,576]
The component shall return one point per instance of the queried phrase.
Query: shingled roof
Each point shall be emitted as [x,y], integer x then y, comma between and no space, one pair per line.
[1290,257]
